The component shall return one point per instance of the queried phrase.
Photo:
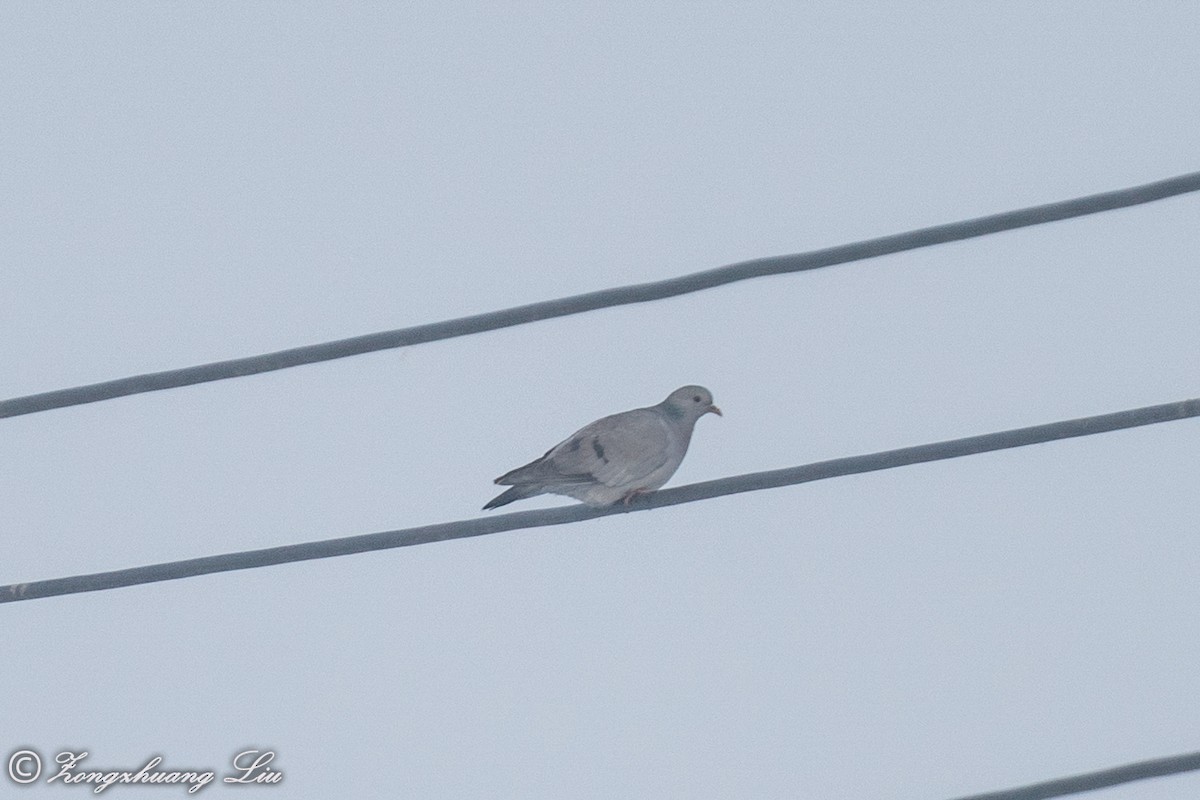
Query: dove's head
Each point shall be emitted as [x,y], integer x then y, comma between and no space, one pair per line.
[691,402]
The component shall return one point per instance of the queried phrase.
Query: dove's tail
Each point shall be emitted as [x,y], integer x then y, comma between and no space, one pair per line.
[511,494]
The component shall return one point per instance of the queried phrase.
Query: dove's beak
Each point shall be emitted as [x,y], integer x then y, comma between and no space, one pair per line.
[715,410]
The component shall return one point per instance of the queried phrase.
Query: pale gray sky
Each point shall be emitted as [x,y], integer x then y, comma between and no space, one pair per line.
[185,183]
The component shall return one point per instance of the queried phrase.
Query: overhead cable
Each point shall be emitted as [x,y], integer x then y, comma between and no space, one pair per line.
[460,529]
[605,298]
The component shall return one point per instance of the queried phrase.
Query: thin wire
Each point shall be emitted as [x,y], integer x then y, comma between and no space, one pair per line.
[623,295]
[251,559]
[1090,781]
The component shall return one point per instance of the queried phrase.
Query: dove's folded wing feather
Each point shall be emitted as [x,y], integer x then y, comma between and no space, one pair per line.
[616,451]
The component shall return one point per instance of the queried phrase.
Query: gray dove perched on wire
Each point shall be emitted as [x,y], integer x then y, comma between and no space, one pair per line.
[615,458]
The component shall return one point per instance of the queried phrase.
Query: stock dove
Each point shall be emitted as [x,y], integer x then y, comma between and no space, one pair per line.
[614,458]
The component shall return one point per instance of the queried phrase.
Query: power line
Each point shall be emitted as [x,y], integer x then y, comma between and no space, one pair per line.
[622,295]
[1090,781]
[462,529]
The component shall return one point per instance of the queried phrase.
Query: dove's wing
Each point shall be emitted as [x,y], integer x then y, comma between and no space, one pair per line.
[616,451]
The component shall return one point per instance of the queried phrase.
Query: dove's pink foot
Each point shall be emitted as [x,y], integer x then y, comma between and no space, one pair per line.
[632,494]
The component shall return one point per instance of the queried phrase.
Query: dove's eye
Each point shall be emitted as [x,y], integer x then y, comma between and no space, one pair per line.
[696,399]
